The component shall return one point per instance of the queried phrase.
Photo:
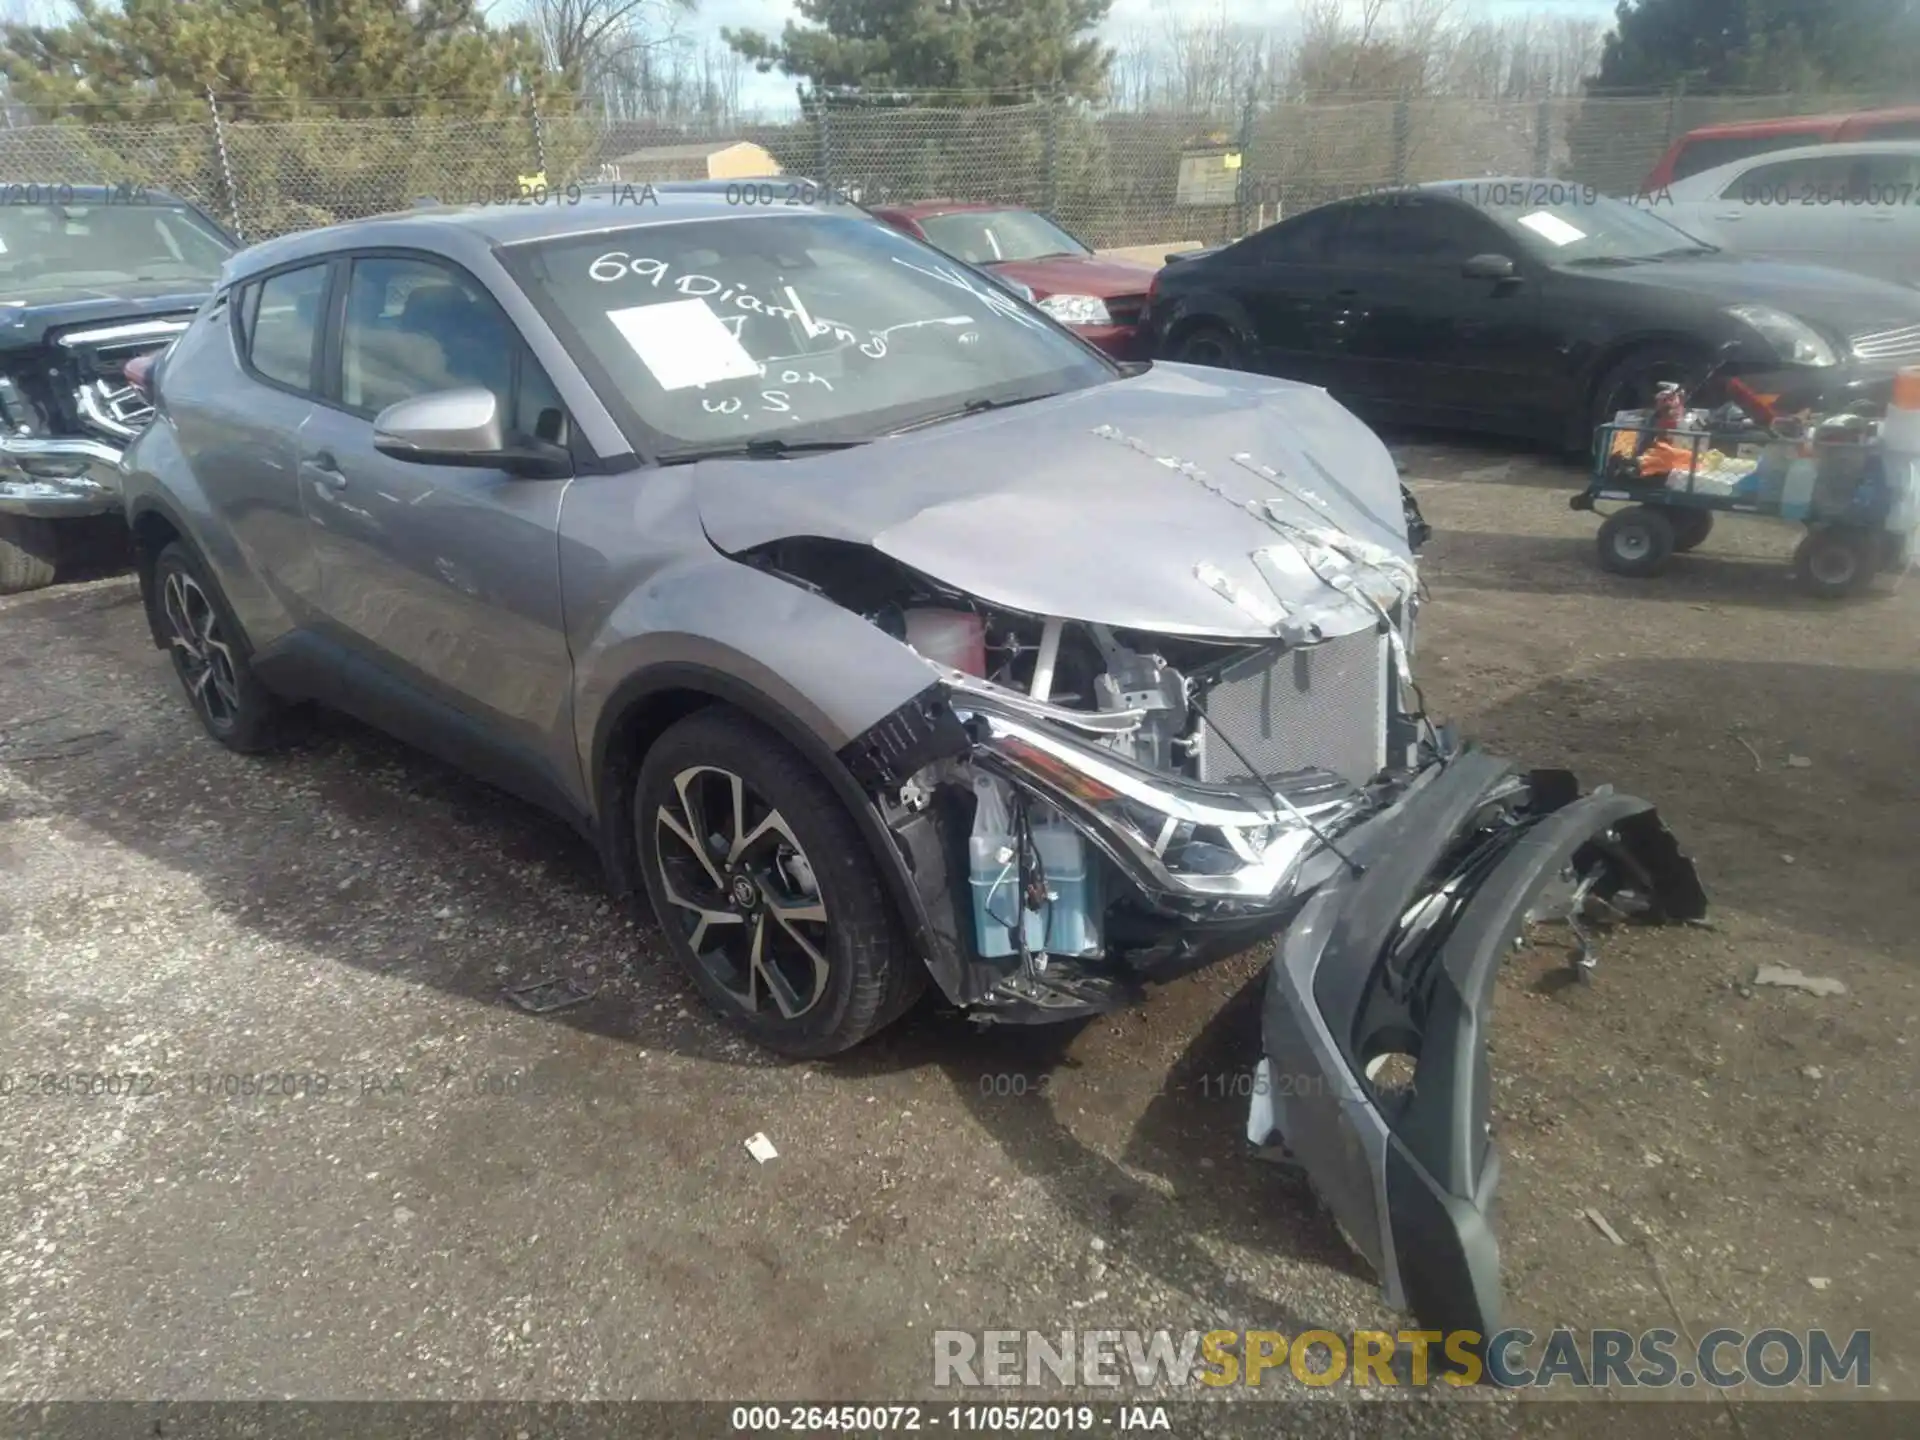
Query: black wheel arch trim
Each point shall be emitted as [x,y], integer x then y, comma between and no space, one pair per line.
[908,881]
[1192,312]
[146,557]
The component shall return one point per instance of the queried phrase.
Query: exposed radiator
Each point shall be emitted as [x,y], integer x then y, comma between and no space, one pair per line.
[1320,705]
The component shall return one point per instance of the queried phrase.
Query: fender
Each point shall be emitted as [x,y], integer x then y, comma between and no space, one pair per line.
[643,705]
[146,508]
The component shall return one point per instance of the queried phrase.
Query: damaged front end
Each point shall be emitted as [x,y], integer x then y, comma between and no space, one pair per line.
[1084,809]
[68,409]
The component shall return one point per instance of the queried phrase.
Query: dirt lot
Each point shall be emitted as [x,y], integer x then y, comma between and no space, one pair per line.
[486,1203]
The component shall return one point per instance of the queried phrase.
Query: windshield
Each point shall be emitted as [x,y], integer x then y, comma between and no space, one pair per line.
[800,328]
[984,237]
[53,248]
[1593,229]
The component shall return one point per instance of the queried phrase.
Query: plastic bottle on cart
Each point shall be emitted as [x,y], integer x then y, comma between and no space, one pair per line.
[1796,494]
[1900,458]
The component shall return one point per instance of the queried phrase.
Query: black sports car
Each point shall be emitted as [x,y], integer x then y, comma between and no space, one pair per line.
[1534,308]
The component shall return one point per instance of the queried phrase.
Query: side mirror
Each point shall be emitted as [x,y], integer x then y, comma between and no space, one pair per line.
[463,427]
[1489,267]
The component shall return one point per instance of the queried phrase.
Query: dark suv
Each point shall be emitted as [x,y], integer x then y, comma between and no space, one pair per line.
[91,278]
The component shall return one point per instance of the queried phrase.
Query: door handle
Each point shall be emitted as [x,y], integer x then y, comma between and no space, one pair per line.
[325,470]
[1730,215]
[1345,294]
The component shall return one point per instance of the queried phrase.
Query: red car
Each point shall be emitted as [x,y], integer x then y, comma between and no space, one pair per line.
[1712,145]
[1101,298]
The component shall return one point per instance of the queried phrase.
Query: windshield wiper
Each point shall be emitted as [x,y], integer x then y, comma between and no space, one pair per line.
[1599,260]
[972,407]
[1687,250]
[767,447]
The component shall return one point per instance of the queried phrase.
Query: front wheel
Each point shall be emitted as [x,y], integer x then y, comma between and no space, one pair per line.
[1633,382]
[1833,564]
[767,892]
[1636,542]
[28,549]
[1212,345]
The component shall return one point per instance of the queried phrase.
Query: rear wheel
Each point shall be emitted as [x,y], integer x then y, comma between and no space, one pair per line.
[1690,529]
[767,892]
[1834,563]
[1636,542]
[1209,344]
[28,548]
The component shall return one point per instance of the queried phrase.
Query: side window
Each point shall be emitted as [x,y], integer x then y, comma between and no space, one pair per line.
[1699,155]
[1395,230]
[280,318]
[1307,239]
[1790,181]
[414,327]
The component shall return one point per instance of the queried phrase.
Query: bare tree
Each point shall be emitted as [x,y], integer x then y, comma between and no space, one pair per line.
[606,48]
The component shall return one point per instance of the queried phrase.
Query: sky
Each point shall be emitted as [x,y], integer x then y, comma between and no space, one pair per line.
[776,91]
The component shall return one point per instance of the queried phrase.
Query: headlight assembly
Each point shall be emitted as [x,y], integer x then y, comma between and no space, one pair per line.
[1792,339]
[1077,309]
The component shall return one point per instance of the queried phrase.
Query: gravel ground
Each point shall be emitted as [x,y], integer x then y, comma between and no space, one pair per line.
[460,1199]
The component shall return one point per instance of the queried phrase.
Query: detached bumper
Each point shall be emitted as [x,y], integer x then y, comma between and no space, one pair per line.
[1395,968]
[59,478]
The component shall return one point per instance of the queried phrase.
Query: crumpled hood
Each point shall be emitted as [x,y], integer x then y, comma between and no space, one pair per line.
[1185,501]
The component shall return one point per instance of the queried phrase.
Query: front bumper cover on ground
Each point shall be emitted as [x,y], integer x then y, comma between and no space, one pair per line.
[1400,960]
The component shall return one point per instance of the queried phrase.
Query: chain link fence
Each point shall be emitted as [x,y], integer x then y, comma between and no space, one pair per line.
[1111,178]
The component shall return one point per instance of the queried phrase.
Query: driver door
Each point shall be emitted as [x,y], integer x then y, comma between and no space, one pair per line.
[442,581]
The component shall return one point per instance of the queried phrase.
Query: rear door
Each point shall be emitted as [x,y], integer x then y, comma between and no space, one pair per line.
[240,389]
[444,579]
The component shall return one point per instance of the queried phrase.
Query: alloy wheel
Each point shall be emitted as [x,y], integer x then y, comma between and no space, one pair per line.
[200,650]
[744,891]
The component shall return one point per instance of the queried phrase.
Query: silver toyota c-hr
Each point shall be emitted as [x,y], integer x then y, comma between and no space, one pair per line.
[880,630]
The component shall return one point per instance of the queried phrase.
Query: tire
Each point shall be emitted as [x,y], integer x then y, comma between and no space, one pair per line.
[1209,344]
[838,968]
[211,657]
[1637,541]
[1833,564]
[28,549]
[1690,529]
[1629,383]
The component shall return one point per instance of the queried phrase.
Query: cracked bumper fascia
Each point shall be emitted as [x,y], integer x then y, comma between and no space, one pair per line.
[59,478]
[1413,1190]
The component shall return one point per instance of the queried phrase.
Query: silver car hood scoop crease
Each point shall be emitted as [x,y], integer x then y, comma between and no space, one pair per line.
[1182,501]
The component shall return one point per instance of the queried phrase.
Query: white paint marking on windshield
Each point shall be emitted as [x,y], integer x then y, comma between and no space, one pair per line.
[1552,228]
[800,313]
[683,343]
